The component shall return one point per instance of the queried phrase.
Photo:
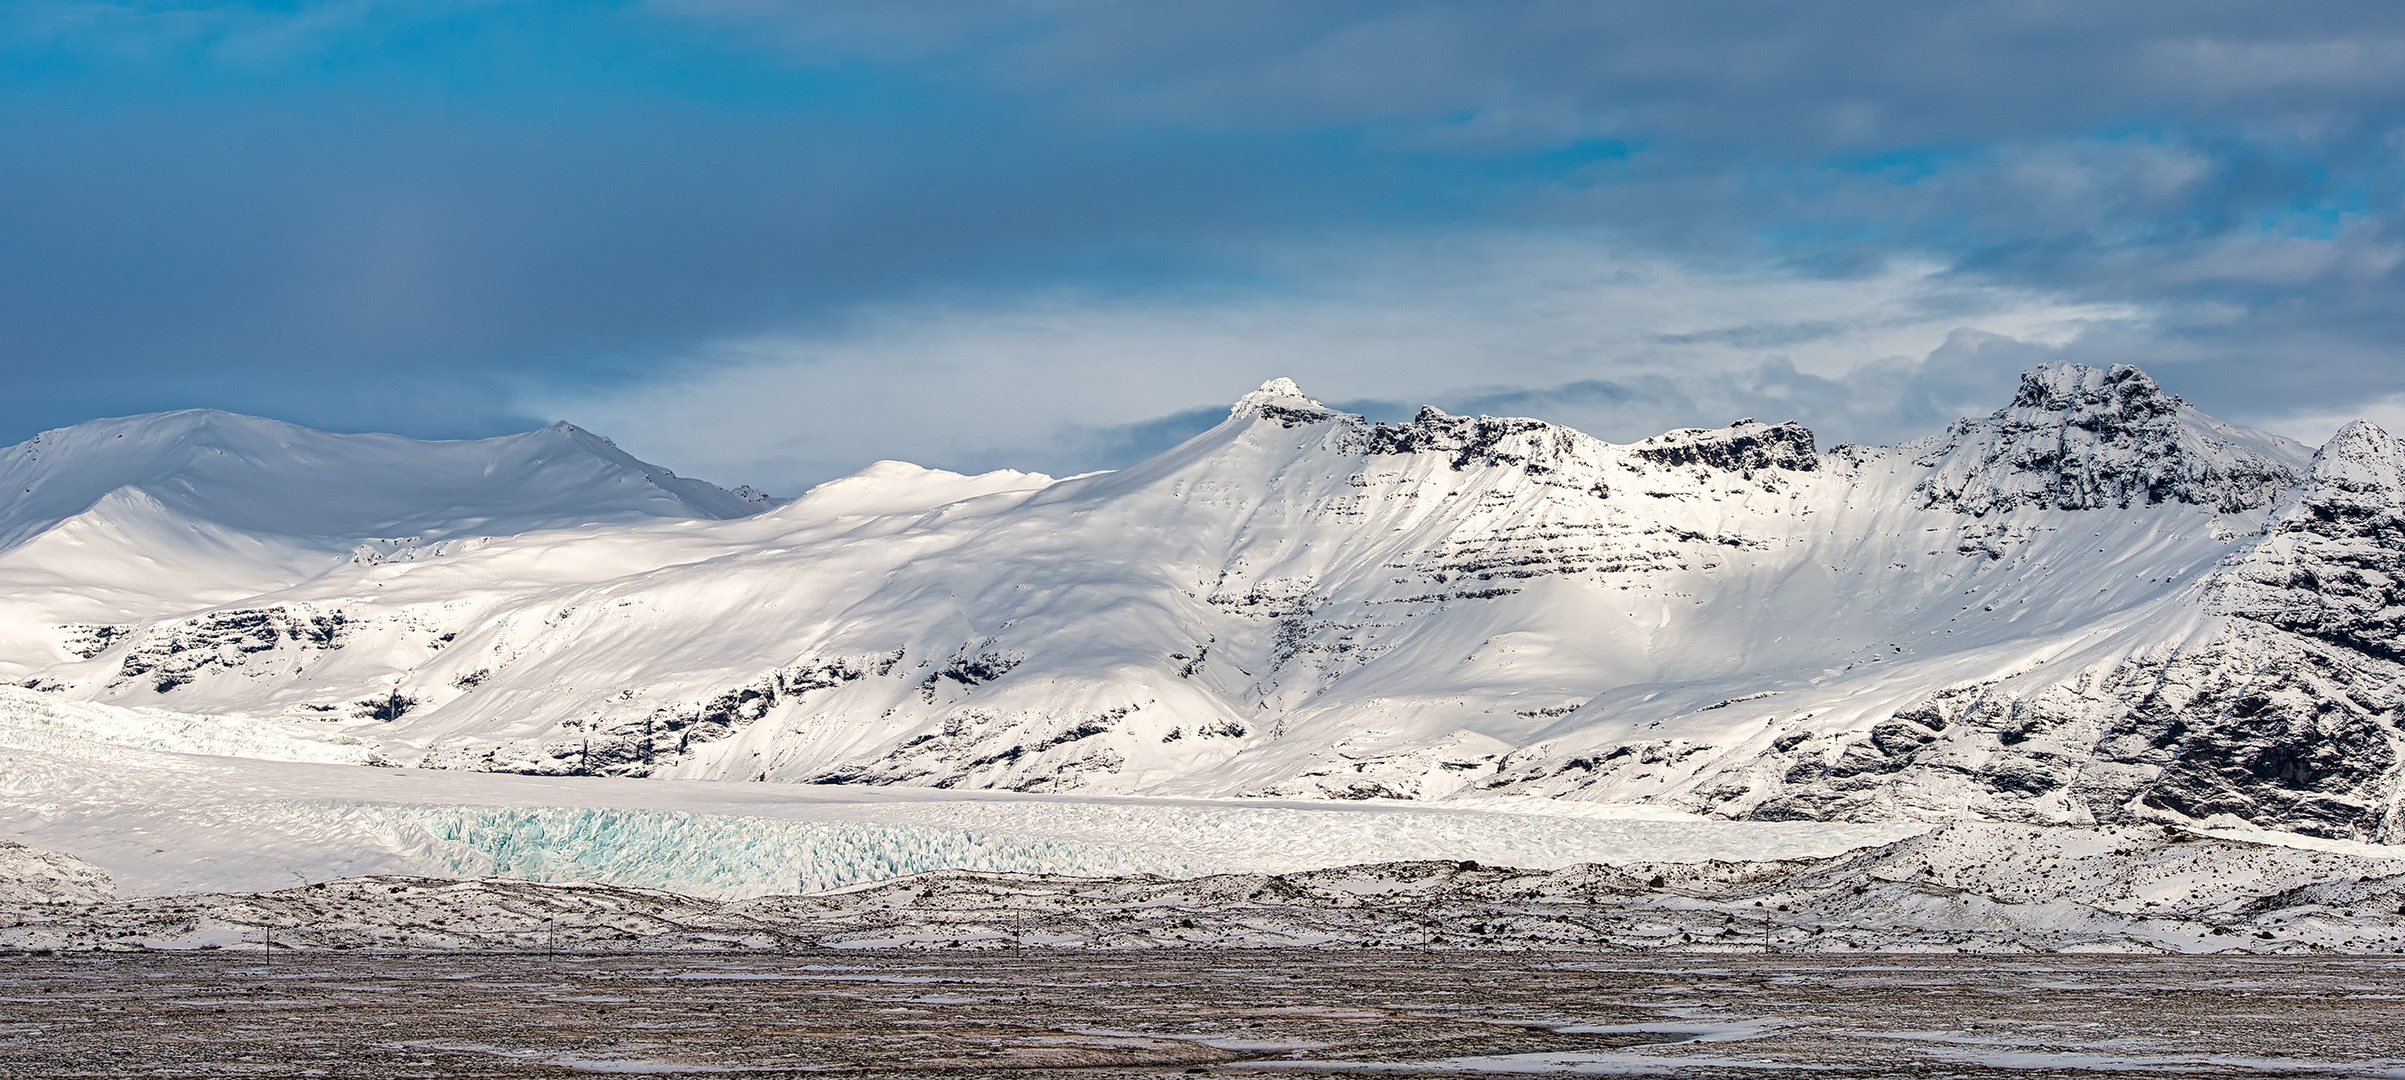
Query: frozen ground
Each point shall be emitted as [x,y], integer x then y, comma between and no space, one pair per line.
[1269,1014]
[1965,887]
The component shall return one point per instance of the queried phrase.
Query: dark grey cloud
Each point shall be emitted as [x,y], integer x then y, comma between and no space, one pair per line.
[448,218]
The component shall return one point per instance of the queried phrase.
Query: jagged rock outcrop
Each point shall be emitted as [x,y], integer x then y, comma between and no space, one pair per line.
[169,654]
[2079,438]
[2331,566]
[2290,717]
[638,746]
[1740,447]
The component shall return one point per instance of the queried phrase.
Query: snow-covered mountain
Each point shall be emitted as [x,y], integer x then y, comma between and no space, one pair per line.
[153,515]
[2095,604]
[266,477]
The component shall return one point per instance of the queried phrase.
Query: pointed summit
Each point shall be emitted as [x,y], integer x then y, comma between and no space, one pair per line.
[1283,401]
[2362,459]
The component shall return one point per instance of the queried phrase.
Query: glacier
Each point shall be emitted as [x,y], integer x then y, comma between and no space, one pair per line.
[165,807]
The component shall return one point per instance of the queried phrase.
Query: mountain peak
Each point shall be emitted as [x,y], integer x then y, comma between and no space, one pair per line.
[2361,458]
[2063,386]
[2327,566]
[2080,438]
[2355,486]
[1283,401]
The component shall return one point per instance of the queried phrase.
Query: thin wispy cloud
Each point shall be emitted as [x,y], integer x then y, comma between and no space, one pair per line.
[1620,345]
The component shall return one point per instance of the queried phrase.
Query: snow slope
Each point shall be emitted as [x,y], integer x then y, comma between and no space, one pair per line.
[1301,603]
[279,837]
[148,516]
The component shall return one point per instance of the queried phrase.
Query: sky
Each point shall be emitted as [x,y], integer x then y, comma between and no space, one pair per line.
[770,243]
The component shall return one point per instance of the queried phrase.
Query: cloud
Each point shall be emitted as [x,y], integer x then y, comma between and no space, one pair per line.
[1622,345]
[2315,426]
[1763,73]
[457,218]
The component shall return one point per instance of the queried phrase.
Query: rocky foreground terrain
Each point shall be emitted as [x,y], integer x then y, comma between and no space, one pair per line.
[1966,887]
[1254,1014]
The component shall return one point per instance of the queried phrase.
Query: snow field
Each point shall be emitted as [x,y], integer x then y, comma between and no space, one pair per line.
[130,791]
[35,721]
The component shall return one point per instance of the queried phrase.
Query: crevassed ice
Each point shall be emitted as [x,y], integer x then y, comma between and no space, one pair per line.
[731,856]
[714,855]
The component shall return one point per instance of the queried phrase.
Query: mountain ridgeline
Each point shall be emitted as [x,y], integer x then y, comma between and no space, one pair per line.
[2095,605]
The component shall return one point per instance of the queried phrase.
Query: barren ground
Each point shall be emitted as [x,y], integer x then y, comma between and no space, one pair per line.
[1252,1013]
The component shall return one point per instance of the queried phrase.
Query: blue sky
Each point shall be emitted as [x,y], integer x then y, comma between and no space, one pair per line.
[768,243]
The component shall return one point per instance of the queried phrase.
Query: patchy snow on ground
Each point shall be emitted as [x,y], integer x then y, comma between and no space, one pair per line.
[1961,888]
[30,876]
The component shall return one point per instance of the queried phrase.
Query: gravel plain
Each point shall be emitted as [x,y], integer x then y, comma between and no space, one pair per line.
[1246,1013]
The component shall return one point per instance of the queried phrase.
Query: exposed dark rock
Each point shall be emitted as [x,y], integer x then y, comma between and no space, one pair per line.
[89,640]
[2079,438]
[1469,440]
[637,746]
[1291,416]
[387,708]
[2287,716]
[1741,447]
[2332,564]
[174,653]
